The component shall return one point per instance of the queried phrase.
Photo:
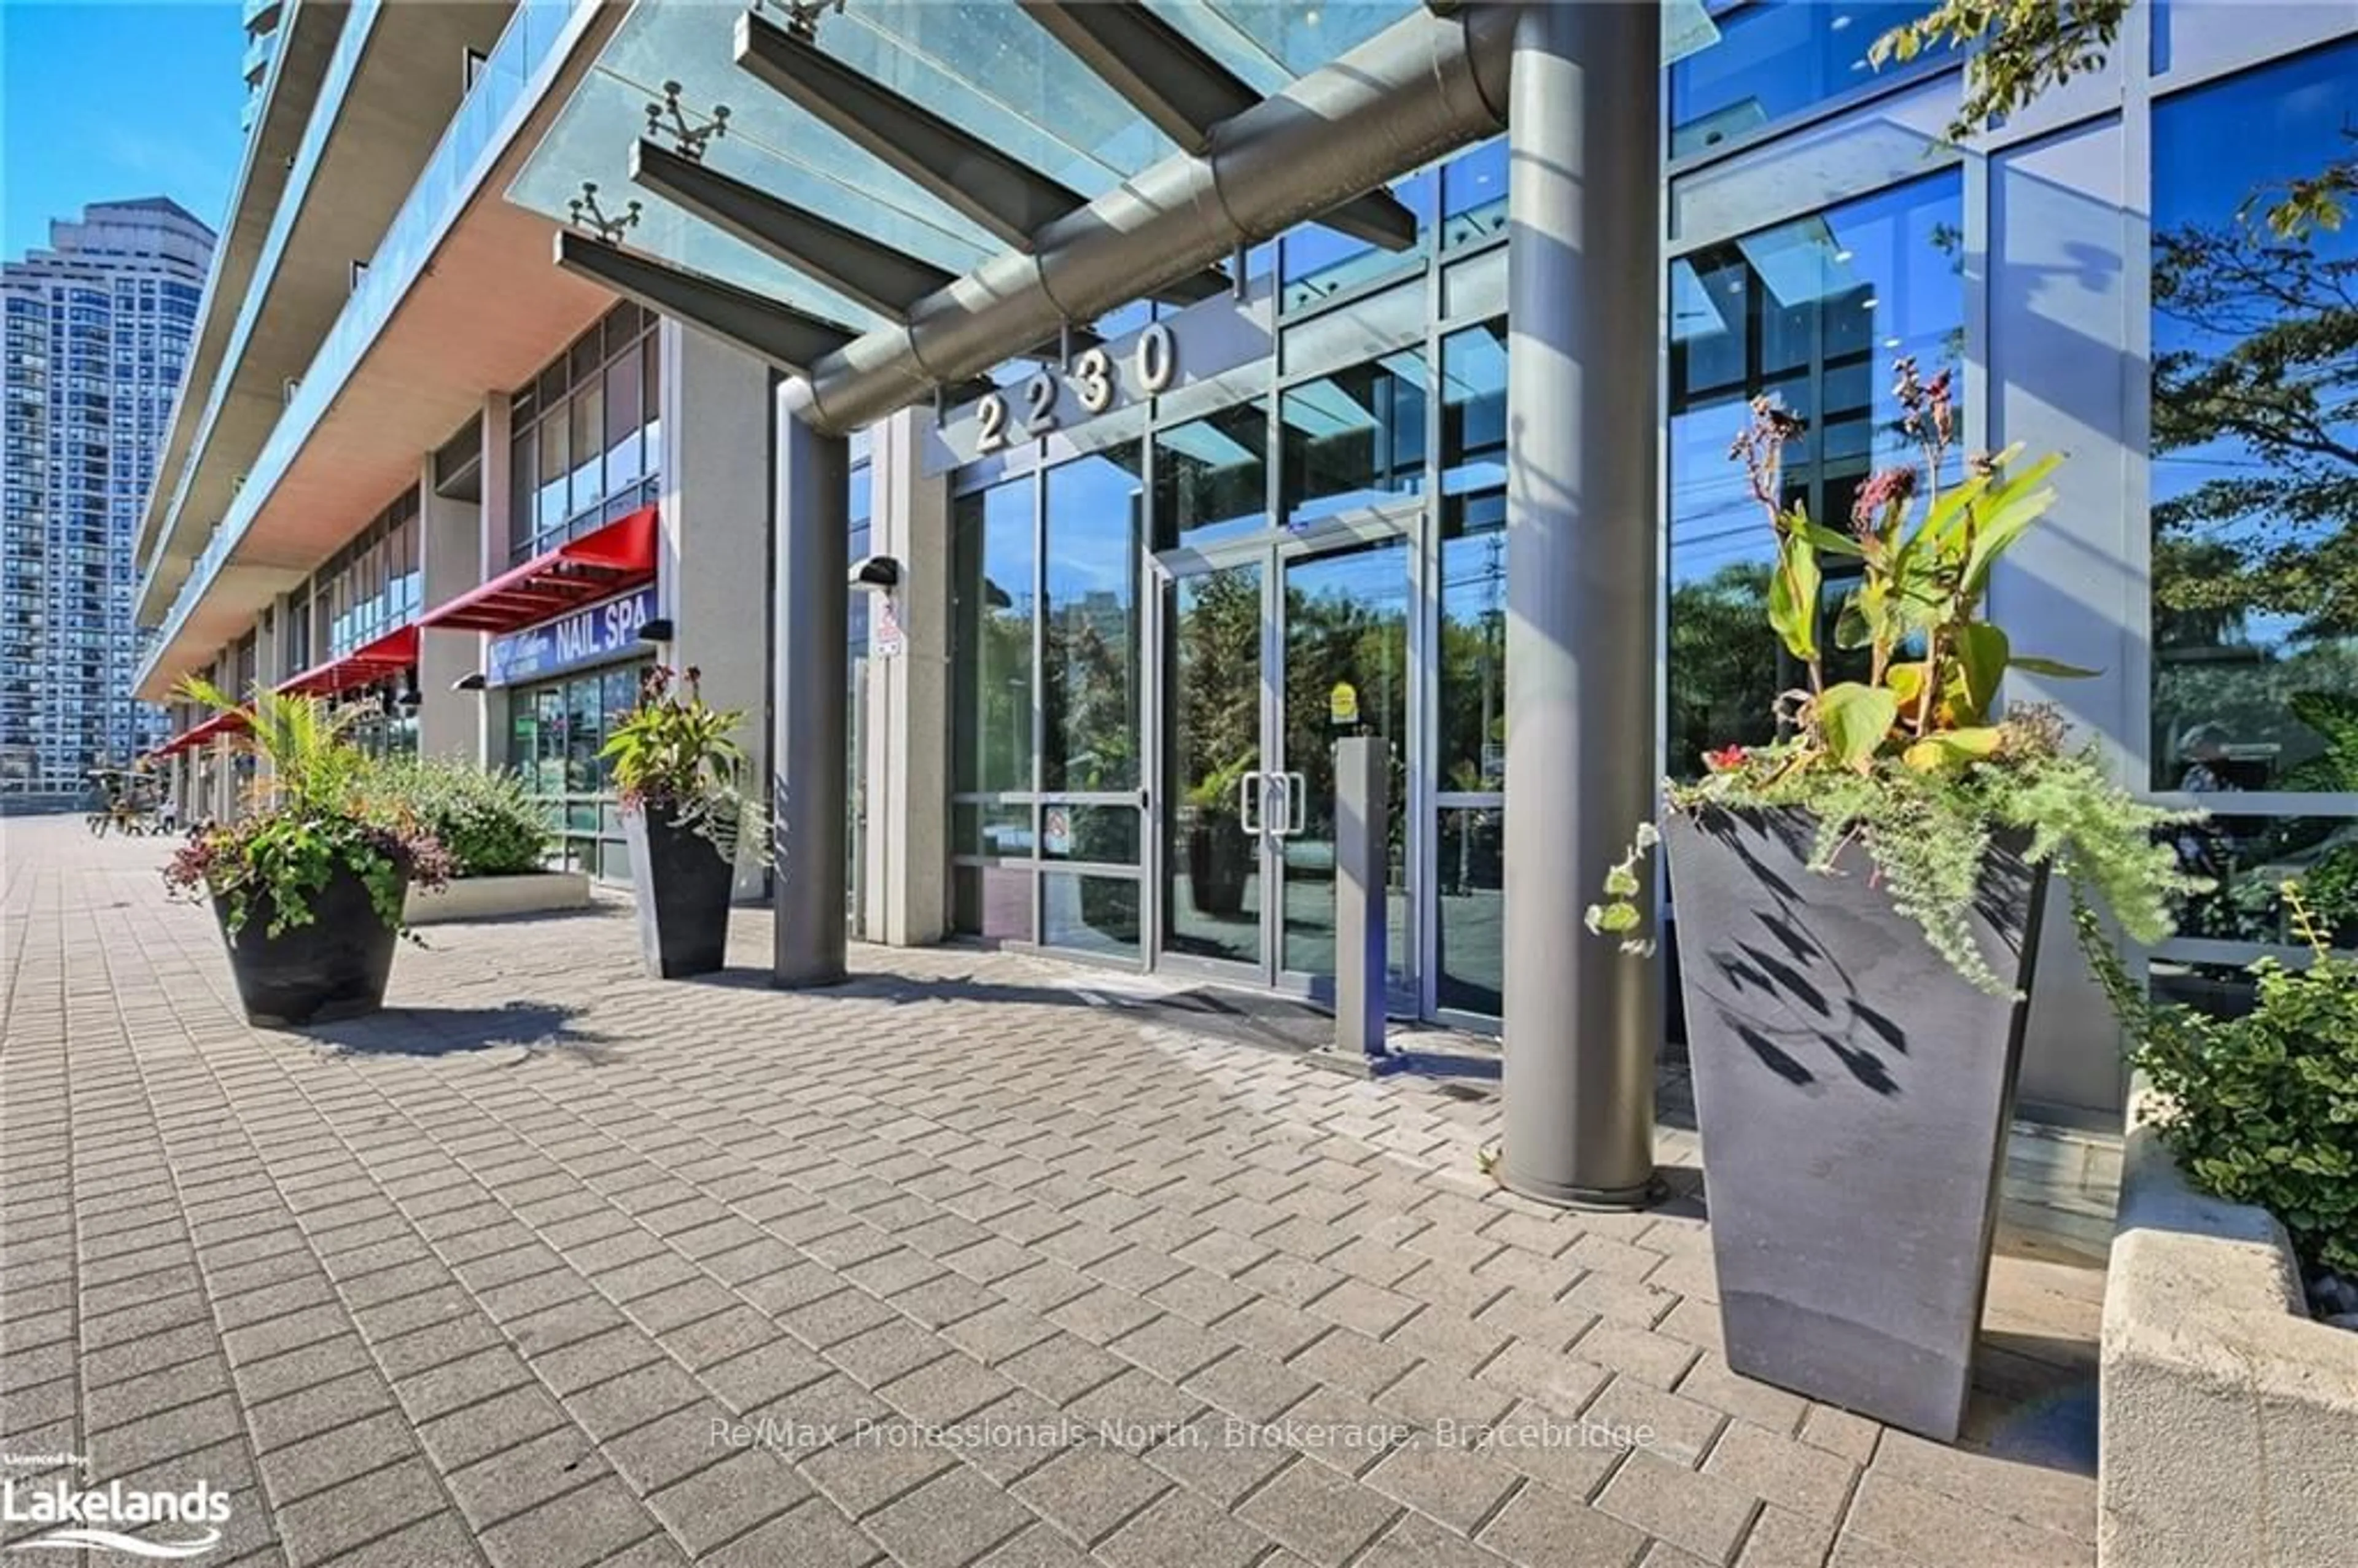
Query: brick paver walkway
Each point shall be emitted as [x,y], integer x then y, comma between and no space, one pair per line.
[553,1265]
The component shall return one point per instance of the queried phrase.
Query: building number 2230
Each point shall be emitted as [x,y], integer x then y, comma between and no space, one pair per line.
[1151,367]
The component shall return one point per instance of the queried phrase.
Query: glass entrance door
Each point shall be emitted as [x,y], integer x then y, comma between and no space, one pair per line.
[1215,822]
[1345,645]
[1276,651]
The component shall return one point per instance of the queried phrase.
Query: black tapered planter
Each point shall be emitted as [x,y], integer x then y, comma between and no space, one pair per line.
[334,966]
[1853,1093]
[683,886]
[1217,856]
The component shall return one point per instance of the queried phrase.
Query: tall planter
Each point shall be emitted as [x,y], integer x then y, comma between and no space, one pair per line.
[1853,1093]
[334,966]
[1218,855]
[683,887]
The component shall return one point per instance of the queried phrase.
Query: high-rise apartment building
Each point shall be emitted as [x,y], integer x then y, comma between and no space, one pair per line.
[98,327]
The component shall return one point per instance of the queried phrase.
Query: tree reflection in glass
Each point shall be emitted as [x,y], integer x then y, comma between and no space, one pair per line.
[2255,485]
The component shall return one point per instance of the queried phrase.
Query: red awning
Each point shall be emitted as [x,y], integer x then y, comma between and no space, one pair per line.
[618,556]
[364,665]
[230,723]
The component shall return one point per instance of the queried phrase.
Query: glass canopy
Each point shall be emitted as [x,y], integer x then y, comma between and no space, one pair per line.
[988,69]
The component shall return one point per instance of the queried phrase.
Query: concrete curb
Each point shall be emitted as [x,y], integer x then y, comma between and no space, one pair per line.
[488,898]
[2229,1414]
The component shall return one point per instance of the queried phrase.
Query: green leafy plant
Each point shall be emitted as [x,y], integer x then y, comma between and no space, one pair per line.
[2261,1109]
[675,755]
[2023,48]
[1912,761]
[486,818]
[1215,794]
[311,814]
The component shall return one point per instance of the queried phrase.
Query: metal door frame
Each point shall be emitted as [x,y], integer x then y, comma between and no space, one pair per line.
[1272,550]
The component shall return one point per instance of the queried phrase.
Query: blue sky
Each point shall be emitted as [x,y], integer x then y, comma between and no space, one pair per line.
[100,101]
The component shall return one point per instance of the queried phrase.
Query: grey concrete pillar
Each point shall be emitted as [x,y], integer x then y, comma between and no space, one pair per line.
[811,675]
[495,530]
[715,541]
[1583,1019]
[906,884]
[450,559]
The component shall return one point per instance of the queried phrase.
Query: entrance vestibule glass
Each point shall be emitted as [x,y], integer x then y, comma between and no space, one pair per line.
[1814,313]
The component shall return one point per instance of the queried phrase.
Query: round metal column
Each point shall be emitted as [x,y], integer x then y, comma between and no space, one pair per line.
[809,691]
[1583,1019]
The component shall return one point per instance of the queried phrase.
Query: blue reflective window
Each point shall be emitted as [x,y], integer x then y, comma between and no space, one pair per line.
[1354,438]
[2254,488]
[1775,59]
[1474,194]
[1318,262]
[1211,476]
[1814,312]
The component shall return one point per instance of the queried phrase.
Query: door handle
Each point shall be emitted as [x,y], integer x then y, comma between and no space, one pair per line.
[1245,791]
[1297,802]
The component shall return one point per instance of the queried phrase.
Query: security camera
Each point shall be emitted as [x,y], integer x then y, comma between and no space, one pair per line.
[877,574]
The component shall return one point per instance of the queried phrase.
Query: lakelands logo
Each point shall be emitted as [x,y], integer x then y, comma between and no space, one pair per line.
[85,1519]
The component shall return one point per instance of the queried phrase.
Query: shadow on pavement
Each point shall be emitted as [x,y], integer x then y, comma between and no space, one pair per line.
[448,1031]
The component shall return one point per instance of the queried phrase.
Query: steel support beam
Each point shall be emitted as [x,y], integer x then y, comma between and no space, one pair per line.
[810,673]
[1002,193]
[1422,86]
[855,265]
[1583,271]
[788,338]
[999,191]
[1186,93]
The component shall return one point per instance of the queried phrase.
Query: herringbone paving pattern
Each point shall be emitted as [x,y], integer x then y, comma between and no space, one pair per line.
[553,1265]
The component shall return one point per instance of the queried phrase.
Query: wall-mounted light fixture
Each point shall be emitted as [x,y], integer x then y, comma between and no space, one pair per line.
[471,682]
[877,574]
[659,630]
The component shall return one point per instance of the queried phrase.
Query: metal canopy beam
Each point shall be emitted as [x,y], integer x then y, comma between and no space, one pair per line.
[885,280]
[1161,72]
[1003,194]
[1424,86]
[788,338]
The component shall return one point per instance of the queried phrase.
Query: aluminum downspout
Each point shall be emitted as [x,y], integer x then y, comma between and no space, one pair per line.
[1422,86]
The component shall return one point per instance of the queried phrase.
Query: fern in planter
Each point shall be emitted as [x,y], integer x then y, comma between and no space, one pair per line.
[1912,761]
[311,814]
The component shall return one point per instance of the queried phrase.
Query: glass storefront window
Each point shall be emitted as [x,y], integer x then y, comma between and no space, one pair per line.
[993,603]
[2255,477]
[1474,194]
[1317,262]
[586,437]
[1211,477]
[1089,913]
[556,473]
[1090,675]
[1471,726]
[1354,438]
[1470,863]
[555,731]
[1473,407]
[1815,312]
[623,468]
[1773,60]
[587,420]
[991,901]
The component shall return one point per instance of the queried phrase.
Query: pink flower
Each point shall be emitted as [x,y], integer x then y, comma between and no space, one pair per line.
[1726,760]
[1886,491]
